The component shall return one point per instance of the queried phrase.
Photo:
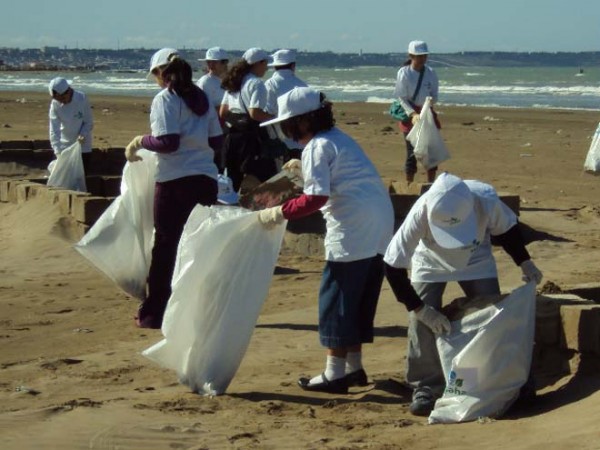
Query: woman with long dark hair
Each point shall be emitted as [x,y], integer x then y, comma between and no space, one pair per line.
[185,130]
[243,109]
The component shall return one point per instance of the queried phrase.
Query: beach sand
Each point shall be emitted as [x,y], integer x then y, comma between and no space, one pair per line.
[71,373]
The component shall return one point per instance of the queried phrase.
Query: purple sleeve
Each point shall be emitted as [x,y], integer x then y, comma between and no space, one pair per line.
[167,143]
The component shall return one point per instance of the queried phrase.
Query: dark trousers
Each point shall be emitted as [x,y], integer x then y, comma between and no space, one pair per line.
[173,202]
[86,159]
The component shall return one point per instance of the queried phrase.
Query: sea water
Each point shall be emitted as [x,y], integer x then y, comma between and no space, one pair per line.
[514,87]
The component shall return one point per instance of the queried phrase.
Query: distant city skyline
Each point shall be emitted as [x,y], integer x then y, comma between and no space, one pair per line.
[325,25]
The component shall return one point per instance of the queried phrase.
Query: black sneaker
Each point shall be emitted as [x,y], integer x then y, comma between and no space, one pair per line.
[339,386]
[423,401]
[357,378]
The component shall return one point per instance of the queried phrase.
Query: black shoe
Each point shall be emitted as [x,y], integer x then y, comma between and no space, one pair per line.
[357,378]
[339,386]
[423,402]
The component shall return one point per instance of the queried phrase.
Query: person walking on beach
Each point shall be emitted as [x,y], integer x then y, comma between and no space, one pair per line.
[341,182]
[185,129]
[243,109]
[216,60]
[283,80]
[414,83]
[70,120]
[447,237]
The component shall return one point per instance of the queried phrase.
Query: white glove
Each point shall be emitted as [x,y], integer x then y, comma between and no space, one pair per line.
[270,217]
[132,148]
[81,138]
[531,272]
[294,166]
[415,118]
[435,320]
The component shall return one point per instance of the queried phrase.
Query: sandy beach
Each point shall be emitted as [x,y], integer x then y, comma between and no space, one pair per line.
[71,373]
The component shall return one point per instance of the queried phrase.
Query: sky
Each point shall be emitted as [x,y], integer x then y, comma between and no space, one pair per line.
[313,25]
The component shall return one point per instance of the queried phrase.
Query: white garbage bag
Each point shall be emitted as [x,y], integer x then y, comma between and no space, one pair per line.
[486,359]
[67,172]
[225,262]
[429,147]
[120,242]
[592,161]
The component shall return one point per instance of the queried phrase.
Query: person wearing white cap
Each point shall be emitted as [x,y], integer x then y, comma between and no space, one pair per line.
[447,237]
[185,130]
[283,80]
[243,108]
[341,182]
[70,119]
[216,61]
[414,83]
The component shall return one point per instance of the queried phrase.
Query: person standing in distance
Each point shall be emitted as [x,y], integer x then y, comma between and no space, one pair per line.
[70,120]
[283,80]
[414,83]
[446,236]
[243,109]
[185,130]
[216,61]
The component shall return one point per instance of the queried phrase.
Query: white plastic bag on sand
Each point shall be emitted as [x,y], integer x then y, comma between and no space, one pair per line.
[429,147]
[486,359]
[67,172]
[120,242]
[225,262]
[592,161]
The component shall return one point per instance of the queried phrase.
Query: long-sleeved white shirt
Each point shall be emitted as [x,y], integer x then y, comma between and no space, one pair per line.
[67,121]
[406,84]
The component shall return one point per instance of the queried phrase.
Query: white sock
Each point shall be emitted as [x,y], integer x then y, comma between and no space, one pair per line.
[353,362]
[335,368]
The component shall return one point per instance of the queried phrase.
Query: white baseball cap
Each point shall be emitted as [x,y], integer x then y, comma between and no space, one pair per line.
[254,55]
[296,102]
[450,212]
[58,85]
[161,58]
[226,194]
[418,48]
[282,57]
[215,54]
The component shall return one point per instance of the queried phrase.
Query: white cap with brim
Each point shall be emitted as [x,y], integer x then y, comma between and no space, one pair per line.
[418,48]
[215,54]
[58,85]
[254,55]
[296,102]
[451,212]
[282,57]
[161,58]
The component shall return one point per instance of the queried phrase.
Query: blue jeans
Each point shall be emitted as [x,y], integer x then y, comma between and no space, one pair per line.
[348,301]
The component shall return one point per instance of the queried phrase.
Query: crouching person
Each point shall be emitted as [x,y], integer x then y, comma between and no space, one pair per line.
[447,237]
[342,182]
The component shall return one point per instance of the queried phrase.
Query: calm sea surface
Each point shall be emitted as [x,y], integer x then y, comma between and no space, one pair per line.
[474,86]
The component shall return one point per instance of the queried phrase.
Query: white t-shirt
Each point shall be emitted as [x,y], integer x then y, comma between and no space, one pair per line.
[358,213]
[413,245]
[69,121]
[253,93]
[211,85]
[281,82]
[406,84]
[170,115]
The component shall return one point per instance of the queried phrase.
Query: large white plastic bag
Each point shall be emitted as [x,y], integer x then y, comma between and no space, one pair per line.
[67,172]
[225,263]
[592,161]
[486,359]
[120,242]
[429,147]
